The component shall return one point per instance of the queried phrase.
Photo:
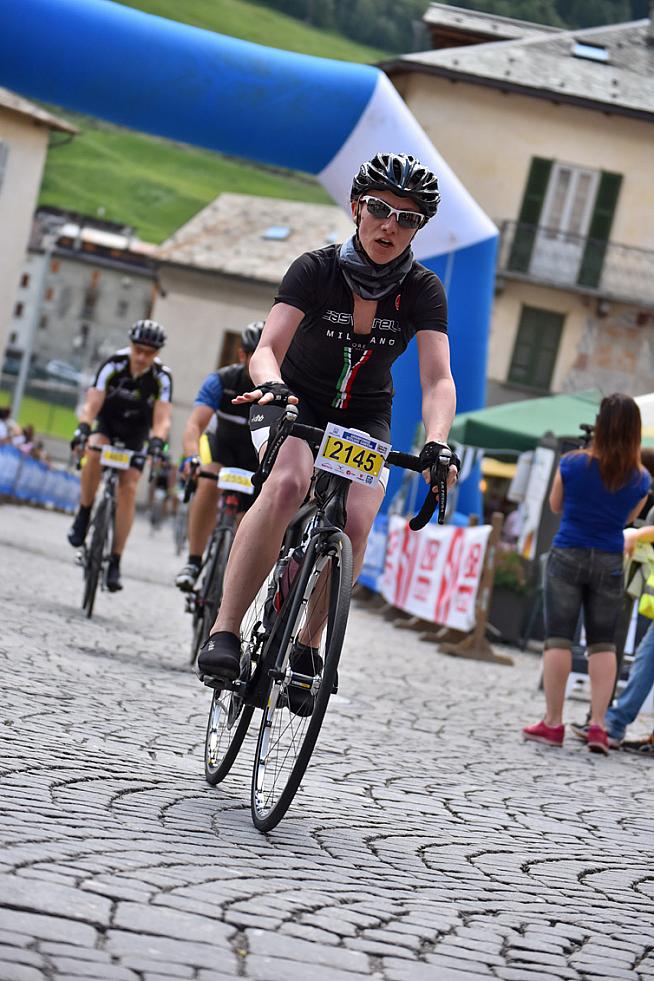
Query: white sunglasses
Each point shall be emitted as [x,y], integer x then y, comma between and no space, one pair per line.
[381,210]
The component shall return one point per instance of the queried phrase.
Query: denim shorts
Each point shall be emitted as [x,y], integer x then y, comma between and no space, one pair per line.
[588,579]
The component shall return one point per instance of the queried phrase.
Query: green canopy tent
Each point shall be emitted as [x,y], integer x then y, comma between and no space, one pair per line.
[518,426]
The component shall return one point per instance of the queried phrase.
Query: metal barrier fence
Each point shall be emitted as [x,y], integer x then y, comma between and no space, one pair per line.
[33,482]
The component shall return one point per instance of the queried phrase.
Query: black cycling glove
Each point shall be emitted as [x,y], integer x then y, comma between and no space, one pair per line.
[278,390]
[80,435]
[431,453]
[156,446]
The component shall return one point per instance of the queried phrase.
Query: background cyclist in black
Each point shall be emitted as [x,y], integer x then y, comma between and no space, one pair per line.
[129,399]
[341,317]
[229,445]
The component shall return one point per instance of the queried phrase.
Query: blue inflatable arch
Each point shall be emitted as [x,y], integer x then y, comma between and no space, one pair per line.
[312,114]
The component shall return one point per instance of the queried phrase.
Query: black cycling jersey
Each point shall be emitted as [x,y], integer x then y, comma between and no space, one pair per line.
[327,362]
[218,390]
[129,401]
[229,441]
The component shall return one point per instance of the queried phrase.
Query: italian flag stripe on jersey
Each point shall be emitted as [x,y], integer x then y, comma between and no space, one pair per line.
[347,376]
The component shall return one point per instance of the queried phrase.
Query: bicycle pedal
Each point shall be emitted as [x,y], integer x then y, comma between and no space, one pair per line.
[80,557]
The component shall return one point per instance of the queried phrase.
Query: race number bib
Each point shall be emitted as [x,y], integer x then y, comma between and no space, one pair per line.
[113,457]
[231,478]
[351,454]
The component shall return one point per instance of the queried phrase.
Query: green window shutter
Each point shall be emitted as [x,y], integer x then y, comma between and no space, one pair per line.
[536,348]
[532,205]
[590,271]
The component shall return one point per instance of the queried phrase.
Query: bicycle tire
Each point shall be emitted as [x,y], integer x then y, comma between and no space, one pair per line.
[219,756]
[215,770]
[93,565]
[211,591]
[179,529]
[302,734]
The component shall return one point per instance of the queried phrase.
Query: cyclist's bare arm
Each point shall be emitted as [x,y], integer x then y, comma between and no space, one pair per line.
[93,402]
[438,392]
[161,418]
[281,324]
[196,424]
[556,494]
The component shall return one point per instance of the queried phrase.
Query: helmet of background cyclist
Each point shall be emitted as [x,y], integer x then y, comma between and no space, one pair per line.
[251,335]
[401,174]
[148,333]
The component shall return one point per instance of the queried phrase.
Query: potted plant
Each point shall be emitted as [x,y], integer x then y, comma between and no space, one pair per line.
[511,598]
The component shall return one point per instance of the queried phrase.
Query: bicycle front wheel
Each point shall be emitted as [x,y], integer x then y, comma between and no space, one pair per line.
[211,591]
[93,564]
[294,711]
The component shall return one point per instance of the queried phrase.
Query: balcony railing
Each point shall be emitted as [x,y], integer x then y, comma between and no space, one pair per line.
[543,255]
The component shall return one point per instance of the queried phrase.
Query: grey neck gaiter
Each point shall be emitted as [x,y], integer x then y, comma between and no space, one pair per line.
[367,279]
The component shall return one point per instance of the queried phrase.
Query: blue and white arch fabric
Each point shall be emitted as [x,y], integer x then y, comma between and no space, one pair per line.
[313,114]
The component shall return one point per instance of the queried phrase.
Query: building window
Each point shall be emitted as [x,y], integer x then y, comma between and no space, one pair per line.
[18,310]
[121,308]
[24,280]
[230,349]
[49,293]
[43,322]
[54,265]
[13,337]
[536,348]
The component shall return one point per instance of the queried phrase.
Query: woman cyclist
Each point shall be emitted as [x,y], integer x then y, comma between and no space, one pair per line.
[342,316]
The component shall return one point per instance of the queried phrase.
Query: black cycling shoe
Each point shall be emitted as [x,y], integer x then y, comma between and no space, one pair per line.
[304,660]
[220,656]
[79,528]
[113,580]
[187,577]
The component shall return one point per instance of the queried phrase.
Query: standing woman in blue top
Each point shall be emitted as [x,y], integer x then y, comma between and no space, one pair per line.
[598,491]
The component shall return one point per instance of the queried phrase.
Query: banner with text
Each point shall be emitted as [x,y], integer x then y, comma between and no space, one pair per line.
[435,573]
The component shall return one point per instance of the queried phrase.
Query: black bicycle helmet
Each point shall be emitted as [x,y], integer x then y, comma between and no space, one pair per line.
[251,335]
[401,174]
[149,333]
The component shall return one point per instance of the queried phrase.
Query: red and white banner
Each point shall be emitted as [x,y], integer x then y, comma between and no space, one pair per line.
[435,573]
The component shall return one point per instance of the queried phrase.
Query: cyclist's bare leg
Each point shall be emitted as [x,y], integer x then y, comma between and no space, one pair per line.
[125,507]
[363,503]
[202,512]
[91,473]
[259,536]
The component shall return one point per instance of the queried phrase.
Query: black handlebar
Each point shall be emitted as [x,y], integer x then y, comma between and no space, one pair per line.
[287,426]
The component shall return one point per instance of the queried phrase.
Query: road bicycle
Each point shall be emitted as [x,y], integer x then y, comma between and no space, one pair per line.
[203,602]
[95,553]
[292,634]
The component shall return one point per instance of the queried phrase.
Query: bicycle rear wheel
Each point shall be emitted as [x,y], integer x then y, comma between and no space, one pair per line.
[179,528]
[287,739]
[211,590]
[230,715]
[93,564]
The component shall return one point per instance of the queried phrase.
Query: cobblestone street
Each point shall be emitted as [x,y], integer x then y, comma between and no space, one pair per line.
[428,843]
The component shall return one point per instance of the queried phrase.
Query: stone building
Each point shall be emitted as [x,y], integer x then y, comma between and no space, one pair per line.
[551,132]
[25,132]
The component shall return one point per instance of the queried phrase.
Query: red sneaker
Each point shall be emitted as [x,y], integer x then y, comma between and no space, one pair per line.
[598,740]
[542,733]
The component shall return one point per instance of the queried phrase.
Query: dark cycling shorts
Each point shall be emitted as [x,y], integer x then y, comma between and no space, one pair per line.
[588,579]
[131,438]
[232,447]
[262,417]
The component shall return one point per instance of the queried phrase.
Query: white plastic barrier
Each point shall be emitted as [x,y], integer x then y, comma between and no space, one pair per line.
[34,482]
[435,573]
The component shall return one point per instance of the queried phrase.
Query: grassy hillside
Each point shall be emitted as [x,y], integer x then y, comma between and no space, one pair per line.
[251,22]
[155,185]
[152,184]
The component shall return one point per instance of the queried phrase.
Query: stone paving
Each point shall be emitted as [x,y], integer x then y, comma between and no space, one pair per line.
[428,844]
